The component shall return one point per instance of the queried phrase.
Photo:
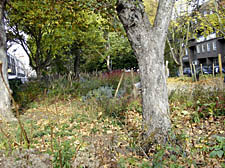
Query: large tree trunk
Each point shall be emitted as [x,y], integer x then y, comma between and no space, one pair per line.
[148,43]
[5,106]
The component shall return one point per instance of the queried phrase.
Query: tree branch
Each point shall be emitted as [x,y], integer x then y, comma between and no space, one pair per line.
[163,15]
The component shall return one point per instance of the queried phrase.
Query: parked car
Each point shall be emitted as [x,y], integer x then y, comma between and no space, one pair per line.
[187,71]
[216,69]
[205,70]
[210,70]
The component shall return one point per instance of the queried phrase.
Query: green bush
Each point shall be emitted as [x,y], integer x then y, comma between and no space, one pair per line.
[218,149]
[208,103]
[203,102]
[28,92]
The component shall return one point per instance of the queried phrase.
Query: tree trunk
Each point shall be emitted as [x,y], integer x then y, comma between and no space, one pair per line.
[108,63]
[38,72]
[178,60]
[181,70]
[5,105]
[108,57]
[148,43]
[77,53]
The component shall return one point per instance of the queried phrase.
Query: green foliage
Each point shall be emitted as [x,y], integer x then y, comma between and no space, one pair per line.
[104,96]
[15,85]
[28,92]
[101,88]
[208,103]
[115,107]
[212,22]
[116,46]
[101,93]
[204,103]
[49,33]
[218,150]
[63,153]
[135,106]
[47,26]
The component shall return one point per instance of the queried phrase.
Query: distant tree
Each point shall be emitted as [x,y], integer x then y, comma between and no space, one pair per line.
[179,33]
[40,27]
[48,29]
[210,18]
[148,43]
[5,107]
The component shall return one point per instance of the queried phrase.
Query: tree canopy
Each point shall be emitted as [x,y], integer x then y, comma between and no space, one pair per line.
[49,30]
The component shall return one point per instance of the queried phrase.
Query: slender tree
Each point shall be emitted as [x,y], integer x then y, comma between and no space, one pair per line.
[178,36]
[5,108]
[148,43]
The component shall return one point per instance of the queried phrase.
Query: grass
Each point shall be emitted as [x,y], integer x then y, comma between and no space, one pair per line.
[105,131]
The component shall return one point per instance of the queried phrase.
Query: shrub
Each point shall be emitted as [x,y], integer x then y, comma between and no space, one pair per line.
[105,99]
[28,92]
[203,102]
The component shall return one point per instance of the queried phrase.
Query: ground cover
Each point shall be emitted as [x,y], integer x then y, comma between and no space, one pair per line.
[76,124]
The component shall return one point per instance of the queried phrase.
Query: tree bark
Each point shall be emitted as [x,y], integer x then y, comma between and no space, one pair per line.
[77,53]
[5,104]
[108,56]
[108,63]
[148,43]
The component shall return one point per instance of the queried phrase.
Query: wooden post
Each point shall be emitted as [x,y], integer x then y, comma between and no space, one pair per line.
[191,70]
[220,65]
[201,69]
[213,70]
[195,78]
[132,79]
[118,86]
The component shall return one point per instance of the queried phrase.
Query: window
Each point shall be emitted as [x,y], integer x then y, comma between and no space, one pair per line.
[208,47]
[8,59]
[13,68]
[214,45]
[203,48]
[198,48]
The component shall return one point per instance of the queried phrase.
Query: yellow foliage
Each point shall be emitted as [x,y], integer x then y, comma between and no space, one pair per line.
[150,9]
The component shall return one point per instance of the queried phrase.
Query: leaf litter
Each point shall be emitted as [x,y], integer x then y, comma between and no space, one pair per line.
[85,136]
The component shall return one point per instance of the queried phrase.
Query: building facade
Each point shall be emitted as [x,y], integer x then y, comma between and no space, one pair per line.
[205,52]
[16,69]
